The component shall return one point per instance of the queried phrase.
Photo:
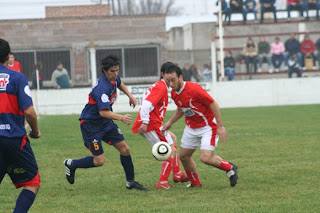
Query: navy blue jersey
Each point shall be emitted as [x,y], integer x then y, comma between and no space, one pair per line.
[15,96]
[101,97]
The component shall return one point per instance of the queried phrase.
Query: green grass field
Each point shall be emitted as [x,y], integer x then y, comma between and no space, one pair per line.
[276,150]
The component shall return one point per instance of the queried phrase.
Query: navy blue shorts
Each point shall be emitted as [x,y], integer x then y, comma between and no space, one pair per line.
[18,161]
[93,135]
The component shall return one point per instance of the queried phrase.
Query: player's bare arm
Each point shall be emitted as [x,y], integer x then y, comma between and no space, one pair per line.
[132,99]
[127,119]
[222,132]
[176,116]
[31,118]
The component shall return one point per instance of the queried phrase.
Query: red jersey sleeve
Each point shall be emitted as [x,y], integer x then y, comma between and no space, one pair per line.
[155,94]
[202,95]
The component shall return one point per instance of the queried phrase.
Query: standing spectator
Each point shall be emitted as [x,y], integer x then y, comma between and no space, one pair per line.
[16,156]
[293,65]
[207,73]
[203,129]
[268,6]
[236,6]
[296,5]
[250,51]
[224,8]
[36,72]
[97,125]
[277,50]
[318,51]
[264,53]
[188,73]
[309,4]
[149,123]
[229,64]
[307,49]
[196,72]
[60,77]
[12,64]
[250,7]
[292,45]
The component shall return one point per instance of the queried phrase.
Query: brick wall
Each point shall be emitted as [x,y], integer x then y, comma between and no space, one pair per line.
[78,11]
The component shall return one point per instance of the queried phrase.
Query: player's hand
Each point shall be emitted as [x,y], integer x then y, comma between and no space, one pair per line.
[133,102]
[165,128]
[127,119]
[34,134]
[142,129]
[223,134]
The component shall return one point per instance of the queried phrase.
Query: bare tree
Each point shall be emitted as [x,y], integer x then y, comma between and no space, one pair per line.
[145,7]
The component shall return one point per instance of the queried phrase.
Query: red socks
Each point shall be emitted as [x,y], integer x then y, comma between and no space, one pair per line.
[224,165]
[193,177]
[166,169]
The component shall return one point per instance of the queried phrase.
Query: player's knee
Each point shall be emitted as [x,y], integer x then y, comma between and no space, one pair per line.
[34,189]
[174,138]
[184,158]
[99,161]
[205,159]
[125,150]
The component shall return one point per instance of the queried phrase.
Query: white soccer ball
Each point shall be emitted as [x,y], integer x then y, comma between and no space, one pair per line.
[161,151]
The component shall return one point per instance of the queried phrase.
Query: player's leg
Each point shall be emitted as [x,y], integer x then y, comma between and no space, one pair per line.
[178,175]
[166,166]
[127,165]
[189,143]
[209,141]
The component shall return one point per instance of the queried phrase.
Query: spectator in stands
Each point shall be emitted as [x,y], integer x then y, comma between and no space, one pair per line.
[318,51]
[250,7]
[229,64]
[292,45]
[307,49]
[12,64]
[196,72]
[187,73]
[294,65]
[277,50]
[224,8]
[60,77]
[37,70]
[206,73]
[236,6]
[268,6]
[264,53]
[296,5]
[250,51]
[312,4]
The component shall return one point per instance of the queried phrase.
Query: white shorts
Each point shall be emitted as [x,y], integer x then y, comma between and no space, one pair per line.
[205,137]
[154,136]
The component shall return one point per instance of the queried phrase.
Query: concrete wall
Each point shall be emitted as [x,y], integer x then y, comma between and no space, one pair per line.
[78,11]
[272,92]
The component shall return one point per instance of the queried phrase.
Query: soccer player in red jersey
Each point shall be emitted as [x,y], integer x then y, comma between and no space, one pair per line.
[16,155]
[204,126]
[149,123]
[13,65]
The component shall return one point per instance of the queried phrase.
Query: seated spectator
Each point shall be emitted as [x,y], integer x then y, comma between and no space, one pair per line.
[268,6]
[264,53]
[35,79]
[236,6]
[224,8]
[312,4]
[292,45]
[293,65]
[307,49]
[277,50]
[296,5]
[187,73]
[250,7]
[250,51]
[12,64]
[229,64]
[207,73]
[318,51]
[60,77]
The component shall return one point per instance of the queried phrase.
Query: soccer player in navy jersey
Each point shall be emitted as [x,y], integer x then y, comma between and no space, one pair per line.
[97,124]
[16,155]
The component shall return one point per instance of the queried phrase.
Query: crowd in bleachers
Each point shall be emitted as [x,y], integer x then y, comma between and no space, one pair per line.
[251,6]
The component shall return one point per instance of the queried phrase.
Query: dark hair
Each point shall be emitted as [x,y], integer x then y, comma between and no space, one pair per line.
[253,44]
[59,62]
[109,61]
[4,50]
[174,69]
[165,66]
[38,66]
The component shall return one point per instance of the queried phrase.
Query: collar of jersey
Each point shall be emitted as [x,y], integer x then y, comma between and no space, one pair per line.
[184,84]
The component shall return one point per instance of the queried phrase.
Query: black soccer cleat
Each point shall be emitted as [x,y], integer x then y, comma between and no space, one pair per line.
[136,185]
[70,170]
[233,175]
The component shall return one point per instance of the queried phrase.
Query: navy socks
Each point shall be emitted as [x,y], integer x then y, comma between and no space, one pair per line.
[86,162]
[127,164]
[24,201]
